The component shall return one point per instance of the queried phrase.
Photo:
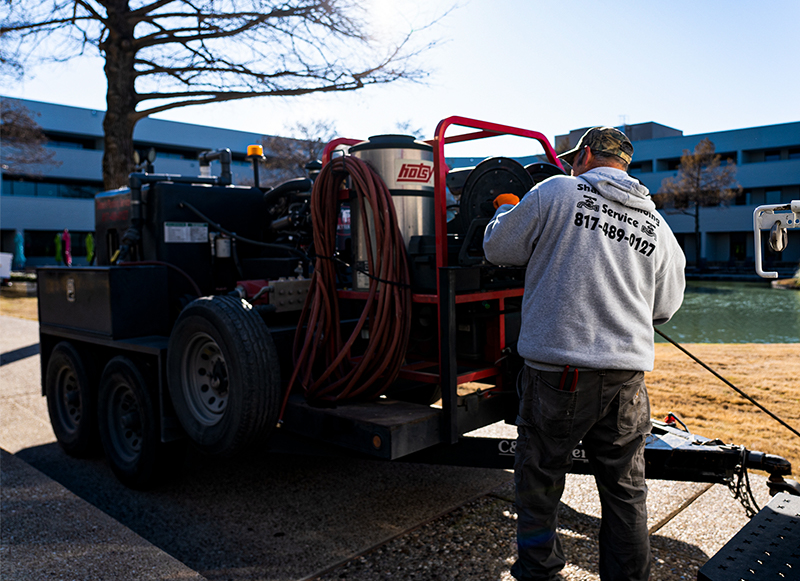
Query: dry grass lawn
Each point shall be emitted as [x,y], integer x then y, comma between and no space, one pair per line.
[768,373]
[15,302]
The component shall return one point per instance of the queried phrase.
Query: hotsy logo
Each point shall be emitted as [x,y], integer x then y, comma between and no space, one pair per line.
[415,173]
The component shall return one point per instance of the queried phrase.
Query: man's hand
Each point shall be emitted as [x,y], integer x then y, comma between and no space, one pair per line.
[505,199]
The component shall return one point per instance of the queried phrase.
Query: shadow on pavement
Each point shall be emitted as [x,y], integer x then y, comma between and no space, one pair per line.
[18,354]
[273,516]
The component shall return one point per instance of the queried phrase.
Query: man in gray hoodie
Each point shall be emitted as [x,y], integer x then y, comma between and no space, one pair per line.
[602,267]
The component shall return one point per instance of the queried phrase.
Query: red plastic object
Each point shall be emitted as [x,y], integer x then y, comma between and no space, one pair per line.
[251,289]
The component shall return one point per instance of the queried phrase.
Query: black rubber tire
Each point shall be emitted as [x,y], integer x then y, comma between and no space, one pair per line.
[71,402]
[129,429]
[223,374]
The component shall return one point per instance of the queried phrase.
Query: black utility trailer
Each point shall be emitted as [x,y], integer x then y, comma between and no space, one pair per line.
[218,312]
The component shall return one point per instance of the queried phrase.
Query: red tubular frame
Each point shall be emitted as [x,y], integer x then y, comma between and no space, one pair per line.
[484,129]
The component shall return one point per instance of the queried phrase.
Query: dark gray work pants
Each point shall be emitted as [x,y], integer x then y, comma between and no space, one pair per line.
[610,412]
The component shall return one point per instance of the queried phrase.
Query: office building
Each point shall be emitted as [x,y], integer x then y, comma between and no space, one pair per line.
[39,204]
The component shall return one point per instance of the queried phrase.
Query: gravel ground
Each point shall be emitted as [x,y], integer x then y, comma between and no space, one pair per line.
[477,541]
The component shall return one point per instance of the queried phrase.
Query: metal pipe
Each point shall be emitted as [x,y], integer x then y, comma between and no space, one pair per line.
[224,157]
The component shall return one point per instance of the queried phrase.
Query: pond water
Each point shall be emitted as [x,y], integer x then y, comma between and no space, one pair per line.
[735,312]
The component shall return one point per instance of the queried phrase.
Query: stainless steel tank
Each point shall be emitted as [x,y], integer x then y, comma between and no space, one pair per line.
[406,166]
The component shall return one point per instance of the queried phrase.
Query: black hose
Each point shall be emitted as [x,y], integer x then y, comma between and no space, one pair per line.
[300,185]
[216,226]
[733,387]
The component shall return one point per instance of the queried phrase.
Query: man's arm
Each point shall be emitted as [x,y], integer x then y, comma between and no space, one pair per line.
[510,236]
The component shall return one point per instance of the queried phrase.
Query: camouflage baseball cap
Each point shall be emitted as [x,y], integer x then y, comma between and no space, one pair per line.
[602,140]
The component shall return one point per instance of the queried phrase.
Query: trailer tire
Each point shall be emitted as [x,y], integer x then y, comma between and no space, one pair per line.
[223,374]
[71,402]
[129,428]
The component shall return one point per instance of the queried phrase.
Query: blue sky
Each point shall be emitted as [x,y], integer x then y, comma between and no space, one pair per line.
[698,66]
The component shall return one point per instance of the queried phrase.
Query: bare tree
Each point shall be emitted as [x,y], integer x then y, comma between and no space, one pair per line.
[407,127]
[163,54]
[23,142]
[10,69]
[286,157]
[702,180]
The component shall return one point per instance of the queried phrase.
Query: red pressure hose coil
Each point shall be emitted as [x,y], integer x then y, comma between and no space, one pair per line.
[325,365]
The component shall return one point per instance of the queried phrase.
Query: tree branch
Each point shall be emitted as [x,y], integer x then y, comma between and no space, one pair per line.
[173,36]
[148,8]
[90,9]
[221,96]
[41,27]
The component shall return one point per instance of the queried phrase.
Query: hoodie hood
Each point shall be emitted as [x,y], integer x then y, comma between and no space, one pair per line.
[615,184]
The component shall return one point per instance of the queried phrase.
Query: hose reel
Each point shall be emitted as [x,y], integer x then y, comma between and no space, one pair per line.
[487,180]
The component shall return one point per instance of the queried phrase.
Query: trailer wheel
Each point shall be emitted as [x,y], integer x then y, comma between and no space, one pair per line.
[71,402]
[129,428]
[223,374]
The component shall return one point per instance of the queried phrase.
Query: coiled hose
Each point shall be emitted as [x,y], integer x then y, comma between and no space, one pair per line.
[325,365]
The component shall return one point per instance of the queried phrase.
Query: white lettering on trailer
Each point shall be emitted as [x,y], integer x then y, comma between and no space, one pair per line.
[185,232]
[507,447]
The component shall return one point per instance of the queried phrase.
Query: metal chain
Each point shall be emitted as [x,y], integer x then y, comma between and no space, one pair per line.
[739,485]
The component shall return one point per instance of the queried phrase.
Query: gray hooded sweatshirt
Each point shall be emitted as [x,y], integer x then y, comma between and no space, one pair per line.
[602,268]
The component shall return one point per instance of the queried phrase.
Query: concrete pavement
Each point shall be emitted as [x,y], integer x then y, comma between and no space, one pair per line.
[50,533]
[287,517]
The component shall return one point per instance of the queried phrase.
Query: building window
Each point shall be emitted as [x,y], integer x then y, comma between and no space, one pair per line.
[641,167]
[49,189]
[761,155]
[46,190]
[756,198]
[18,188]
[668,164]
[738,248]
[166,152]
[65,144]
[752,156]
[40,242]
[741,198]
[70,141]
[43,243]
